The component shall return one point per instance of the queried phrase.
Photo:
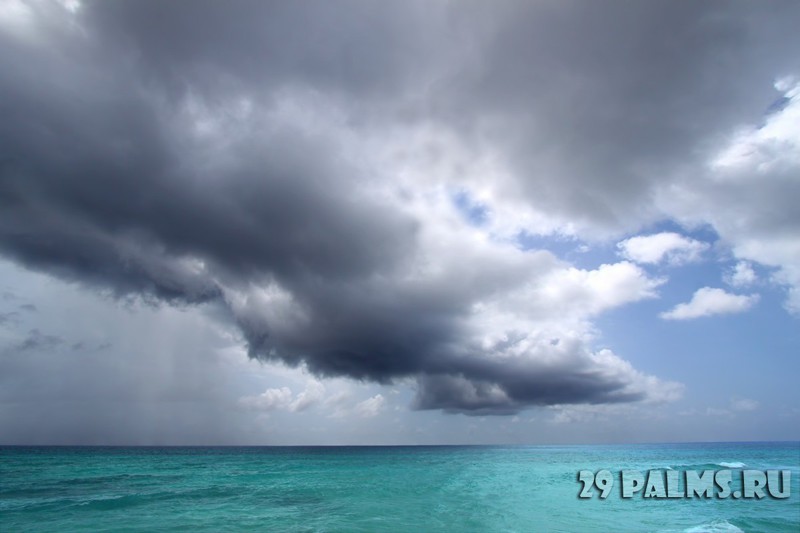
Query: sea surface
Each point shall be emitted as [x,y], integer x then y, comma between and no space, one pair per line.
[365,489]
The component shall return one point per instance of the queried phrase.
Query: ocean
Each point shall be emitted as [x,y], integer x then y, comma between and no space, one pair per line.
[377,489]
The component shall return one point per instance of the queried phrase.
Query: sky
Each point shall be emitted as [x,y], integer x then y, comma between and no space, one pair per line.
[432,222]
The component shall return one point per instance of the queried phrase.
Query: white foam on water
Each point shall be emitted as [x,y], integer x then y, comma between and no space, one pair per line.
[719,526]
[735,464]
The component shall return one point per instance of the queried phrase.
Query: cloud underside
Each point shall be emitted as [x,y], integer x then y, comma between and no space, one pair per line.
[306,186]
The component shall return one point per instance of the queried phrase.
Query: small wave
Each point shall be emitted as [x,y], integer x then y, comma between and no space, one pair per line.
[112,502]
[708,466]
[734,464]
[718,526]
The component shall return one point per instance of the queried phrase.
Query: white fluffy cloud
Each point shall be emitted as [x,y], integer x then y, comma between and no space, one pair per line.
[744,404]
[749,191]
[741,275]
[370,407]
[282,398]
[770,147]
[666,246]
[270,399]
[710,301]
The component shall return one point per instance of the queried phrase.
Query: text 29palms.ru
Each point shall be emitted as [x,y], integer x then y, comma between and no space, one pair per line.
[688,483]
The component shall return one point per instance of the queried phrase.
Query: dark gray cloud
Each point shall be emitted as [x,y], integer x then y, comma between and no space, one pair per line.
[9,316]
[350,47]
[614,98]
[198,152]
[37,341]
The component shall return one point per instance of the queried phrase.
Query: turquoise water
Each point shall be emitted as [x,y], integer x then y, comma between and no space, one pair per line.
[392,489]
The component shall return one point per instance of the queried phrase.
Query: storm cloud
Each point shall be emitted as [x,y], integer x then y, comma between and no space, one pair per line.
[298,165]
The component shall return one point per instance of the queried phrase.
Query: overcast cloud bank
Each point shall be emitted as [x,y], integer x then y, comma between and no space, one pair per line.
[348,182]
